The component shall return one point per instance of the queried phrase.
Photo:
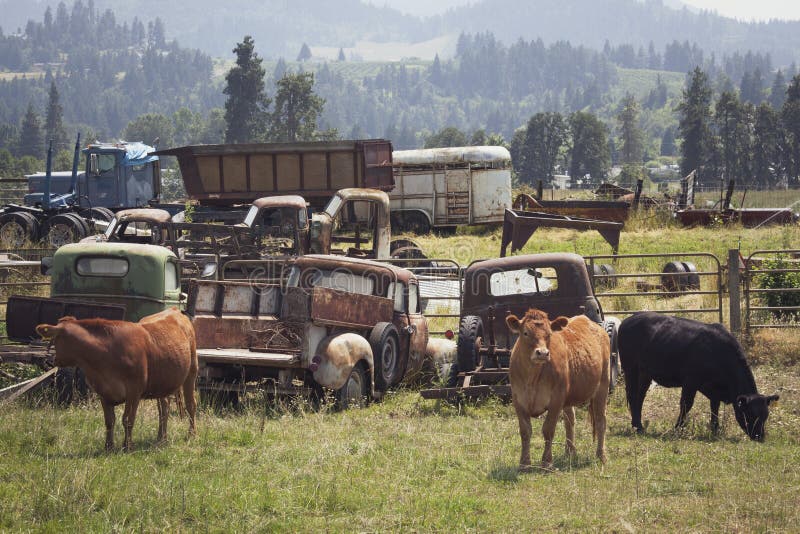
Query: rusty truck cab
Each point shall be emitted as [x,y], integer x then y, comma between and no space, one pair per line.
[357,218]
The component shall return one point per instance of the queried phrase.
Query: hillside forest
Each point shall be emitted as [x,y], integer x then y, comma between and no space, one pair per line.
[559,107]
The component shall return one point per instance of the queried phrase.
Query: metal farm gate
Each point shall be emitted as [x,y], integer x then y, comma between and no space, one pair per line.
[772,289]
[19,275]
[687,284]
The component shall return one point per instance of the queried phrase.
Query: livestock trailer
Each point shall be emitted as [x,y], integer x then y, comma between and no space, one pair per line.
[447,187]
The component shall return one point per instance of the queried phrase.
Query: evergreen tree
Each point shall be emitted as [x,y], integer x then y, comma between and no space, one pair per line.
[693,126]
[53,124]
[631,148]
[545,134]
[297,109]
[766,154]
[280,69]
[305,53]
[246,107]
[777,95]
[436,77]
[731,118]
[341,55]
[446,137]
[589,153]
[790,123]
[31,139]
[668,142]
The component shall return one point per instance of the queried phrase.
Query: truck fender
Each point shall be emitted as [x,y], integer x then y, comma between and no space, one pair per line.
[337,355]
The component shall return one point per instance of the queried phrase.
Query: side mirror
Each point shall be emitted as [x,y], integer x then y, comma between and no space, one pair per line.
[93,164]
[46,265]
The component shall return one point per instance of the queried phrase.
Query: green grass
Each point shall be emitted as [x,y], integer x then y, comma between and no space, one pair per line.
[406,464]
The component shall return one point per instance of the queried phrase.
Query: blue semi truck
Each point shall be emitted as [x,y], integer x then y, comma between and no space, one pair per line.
[62,207]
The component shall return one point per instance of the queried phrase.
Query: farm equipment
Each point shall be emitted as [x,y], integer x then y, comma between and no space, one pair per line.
[447,187]
[519,226]
[555,283]
[107,280]
[61,207]
[351,326]
[606,210]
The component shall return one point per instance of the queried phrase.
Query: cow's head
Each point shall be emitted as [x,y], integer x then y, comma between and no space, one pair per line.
[752,412]
[53,334]
[534,331]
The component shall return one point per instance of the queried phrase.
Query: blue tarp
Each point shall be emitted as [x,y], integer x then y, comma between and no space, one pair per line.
[137,154]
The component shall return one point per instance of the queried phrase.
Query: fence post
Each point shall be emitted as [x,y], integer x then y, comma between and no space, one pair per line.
[733,291]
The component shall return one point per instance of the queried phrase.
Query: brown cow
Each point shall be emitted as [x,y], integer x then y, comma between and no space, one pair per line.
[127,362]
[558,365]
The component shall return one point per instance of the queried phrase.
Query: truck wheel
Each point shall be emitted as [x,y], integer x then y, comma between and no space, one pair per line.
[470,329]
[416,222]
[16,229]
[101,214]
[354,392]
[385,352]
[64,228]
[611,326]
[65,384]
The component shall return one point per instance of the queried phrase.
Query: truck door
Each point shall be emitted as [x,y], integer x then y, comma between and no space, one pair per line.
[102,180]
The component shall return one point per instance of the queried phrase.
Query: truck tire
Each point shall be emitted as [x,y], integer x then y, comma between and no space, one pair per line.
[692,279]
[64,228]
[70,385]
[672,278]
[611,326]
[385,343]
[415,222]
[18,228]
[470,329]
[100,214]
[354,392]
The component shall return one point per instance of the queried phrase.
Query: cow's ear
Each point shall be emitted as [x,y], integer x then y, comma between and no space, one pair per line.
[559,324]
[67,318]
[512,321]
[772,398]
[47,331]
[741,401]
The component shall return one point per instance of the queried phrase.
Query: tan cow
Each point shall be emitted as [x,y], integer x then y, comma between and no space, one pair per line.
[558,365]
[125,362]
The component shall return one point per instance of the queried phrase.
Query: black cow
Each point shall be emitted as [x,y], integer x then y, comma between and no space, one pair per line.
[693,356]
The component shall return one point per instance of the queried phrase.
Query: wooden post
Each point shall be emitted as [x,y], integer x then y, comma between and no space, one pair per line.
[638,194]
[733,291]
[539,190]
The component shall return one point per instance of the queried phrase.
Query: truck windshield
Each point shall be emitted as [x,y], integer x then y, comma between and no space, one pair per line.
[110,228]
[251,216]
[333,205]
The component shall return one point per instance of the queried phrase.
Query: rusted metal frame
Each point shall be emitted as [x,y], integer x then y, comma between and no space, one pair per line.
[221,174]
[519,226]
[247,171]
[673,310]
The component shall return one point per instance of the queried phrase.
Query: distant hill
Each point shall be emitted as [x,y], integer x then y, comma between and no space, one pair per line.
[280,27]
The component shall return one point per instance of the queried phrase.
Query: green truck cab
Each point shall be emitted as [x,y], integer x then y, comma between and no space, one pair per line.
[145,279]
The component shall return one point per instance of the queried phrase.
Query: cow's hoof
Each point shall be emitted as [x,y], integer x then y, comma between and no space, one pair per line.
[639,430]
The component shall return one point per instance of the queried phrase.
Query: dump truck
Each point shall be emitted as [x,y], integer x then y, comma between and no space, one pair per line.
[61,207]
[220,177]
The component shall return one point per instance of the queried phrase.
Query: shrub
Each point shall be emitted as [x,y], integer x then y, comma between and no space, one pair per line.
[780,280]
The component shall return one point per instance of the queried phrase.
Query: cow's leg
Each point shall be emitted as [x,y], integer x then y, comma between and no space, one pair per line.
[163,415]
[640,383]
[128,417]
[687,400]
[597,407]
[525,437]
[190,401]
[569,427]
[110,417]
[549,431]
[715,415]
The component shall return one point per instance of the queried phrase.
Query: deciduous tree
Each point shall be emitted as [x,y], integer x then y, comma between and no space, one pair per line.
[297,109]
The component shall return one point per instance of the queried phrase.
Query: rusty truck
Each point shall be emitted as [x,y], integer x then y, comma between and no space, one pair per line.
[346,325]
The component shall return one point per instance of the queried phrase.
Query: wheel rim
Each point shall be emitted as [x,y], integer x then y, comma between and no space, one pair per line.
[12,234]
[353,389]
[60,234]
[388,359]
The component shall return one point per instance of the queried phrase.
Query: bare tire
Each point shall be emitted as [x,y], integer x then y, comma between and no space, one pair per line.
[354,392]
[70,385]
[101,214]
[692,279]
[415,222]
[470,329]
[16,229]
[64,228]
[385,343]
[672,277]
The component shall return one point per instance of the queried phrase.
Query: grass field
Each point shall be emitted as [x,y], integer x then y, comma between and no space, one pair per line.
[408,464]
